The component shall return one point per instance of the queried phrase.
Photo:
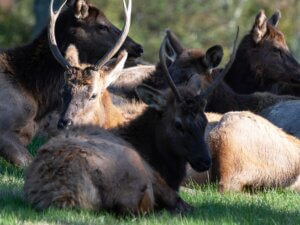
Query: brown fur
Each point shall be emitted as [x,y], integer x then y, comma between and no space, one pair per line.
[31,79]
[96,169]
[250,152]
[90,169]
[224,99]
[264,61]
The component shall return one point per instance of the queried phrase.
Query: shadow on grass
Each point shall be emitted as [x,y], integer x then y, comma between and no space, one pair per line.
[208,213]
[243,213]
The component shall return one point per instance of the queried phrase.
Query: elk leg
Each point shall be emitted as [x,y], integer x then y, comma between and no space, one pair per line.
[166,197]
[230,185]
[12,150]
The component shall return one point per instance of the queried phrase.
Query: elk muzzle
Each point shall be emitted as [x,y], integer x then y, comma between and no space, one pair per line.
[64,124]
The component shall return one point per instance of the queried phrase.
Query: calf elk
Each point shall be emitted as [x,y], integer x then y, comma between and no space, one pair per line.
[31,78]
[133,168]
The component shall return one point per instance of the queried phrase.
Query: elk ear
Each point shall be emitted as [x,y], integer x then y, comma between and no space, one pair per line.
[259,28]
[115,70]
[202,103]
[213,56]
[152,97]
[72,56]
[173,48]
[274,20]
[81,8]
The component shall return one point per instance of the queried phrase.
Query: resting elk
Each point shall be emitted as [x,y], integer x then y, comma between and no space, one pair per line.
[264,62]
[196,69]
[285,115]
[249,152]
[134,168]
[84,96]
[31,78]
[183,63]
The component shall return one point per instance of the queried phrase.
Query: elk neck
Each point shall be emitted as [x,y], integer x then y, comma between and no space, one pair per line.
[141,133]
[35,69]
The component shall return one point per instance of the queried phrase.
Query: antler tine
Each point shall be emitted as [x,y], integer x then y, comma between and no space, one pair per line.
[51,37]
[118,45]
[220,77]
[162,58]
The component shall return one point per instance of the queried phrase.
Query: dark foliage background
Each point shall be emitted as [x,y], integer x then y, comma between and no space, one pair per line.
[198,23]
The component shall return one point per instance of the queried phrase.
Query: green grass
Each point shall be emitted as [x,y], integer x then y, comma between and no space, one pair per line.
[211,207]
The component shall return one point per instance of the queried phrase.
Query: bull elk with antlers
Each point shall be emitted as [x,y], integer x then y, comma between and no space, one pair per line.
[31,78]
[134,168]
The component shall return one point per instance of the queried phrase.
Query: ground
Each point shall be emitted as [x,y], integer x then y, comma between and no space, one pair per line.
[211,207]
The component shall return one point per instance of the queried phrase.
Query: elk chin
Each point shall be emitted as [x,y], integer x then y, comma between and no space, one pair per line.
[201,163]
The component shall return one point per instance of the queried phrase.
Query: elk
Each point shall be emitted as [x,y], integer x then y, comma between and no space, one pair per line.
[133,168]
[183,63]
[31,78]
[224,99]
[196,69]
[284,115]
[264,62]
[73,113]
[84,94]
[250,152]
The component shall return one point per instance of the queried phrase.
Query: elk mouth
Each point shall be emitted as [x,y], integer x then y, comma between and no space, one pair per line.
[64,124]
[201,165]
[136,52]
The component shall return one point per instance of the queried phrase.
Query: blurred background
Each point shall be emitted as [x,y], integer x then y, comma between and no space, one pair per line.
[198,23]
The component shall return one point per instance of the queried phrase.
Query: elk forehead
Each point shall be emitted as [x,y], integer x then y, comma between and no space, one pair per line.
[81,77]
[192,55]
[190,105]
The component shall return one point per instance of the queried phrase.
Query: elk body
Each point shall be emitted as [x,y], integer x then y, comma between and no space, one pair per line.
[249,152]
[145,158]
[264,62]
[135,167]
[197,69]
[31,78]
[183,63]
[225,99]
[285,115]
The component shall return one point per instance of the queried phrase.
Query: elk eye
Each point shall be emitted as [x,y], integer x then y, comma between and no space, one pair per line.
[102,27]
[178,126]
[93,97]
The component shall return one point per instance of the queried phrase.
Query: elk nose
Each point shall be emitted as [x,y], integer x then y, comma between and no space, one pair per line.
[139,50]
[136,51]
[64,124]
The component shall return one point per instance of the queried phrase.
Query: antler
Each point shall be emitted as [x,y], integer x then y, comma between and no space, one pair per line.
[162,58]
[121,40]
[220,77]
[51,37]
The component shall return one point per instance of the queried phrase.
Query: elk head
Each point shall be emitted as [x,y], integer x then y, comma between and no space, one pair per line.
[86,26]
[85,84]
[263,58]
[182,119]
[184,63]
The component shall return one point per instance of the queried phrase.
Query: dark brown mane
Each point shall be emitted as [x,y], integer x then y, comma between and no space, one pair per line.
[29,65]
[141,132]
